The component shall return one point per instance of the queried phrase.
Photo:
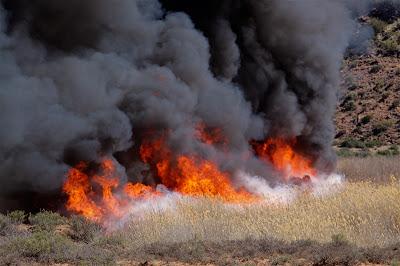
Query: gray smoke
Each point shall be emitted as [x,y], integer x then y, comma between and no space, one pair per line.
[84,79]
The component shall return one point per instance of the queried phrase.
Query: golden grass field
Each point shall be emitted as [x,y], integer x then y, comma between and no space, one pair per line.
[365,212]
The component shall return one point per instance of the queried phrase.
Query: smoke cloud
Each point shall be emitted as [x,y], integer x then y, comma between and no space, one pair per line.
[84,79]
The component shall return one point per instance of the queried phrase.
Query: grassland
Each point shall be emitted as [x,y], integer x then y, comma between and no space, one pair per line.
[359,222]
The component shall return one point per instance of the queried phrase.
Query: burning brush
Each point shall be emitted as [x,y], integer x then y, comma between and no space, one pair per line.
[98,193]
[82,83]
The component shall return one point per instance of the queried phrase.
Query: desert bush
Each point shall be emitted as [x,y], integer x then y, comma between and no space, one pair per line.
[345,152]
[378,25]
[280,260]
[48,247]
[352,143]
[379,128]
[393,150]
[373,143]
[5,224]
[349,106]
[339,239]
[46,220]
[17,217]
[366,119]
[83,229]
[348,102]
[40,246]
[395,104]
[390,46]
[375,69]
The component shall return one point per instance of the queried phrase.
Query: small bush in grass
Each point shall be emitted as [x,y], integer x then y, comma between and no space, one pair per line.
[17,217]
[5,224]
[110,242]
[378,25]
[349,106]
[394,105]
[46,220]
[339,239]
[48,247]
[373,143]
[40,246]
[390,46]
[391,151]
[83,229]
[379,128]
[345,152]
[365,120]
[352,143]
[280,260]
[375,69]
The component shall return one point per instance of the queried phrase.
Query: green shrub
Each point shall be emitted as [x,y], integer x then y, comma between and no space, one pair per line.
[390,46]
[40,246]
[380,128]
[345,152]
[83,229]
[280,260]
[373,143]
[113,242]
[352,143]
[5,224]
[375,69]
[378,25]
[366,119]
[349,106]
[17,217]
[339,239]
[395,104]
[391,151]
[46,220]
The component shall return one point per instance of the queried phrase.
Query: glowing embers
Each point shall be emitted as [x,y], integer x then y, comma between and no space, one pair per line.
[281,154]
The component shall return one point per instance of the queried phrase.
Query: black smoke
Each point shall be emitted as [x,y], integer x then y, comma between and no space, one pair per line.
[84,79]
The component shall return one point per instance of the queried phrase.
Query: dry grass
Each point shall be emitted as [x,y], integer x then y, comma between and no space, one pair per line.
[364,213]
[376,169]
[358,223]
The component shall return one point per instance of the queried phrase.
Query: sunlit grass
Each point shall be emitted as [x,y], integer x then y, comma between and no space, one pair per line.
[366,214]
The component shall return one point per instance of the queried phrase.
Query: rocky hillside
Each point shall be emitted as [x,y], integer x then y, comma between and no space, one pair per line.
[368,114]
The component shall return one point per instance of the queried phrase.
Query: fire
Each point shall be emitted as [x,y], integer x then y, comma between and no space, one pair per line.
[96,191]
[188,175]
[191,175]
[109,200]
[79,191]
[284,158]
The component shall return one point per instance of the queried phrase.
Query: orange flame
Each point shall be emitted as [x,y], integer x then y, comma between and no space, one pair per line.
[190,175]
[111,202]
[284,158]
[100,196]
[78,189]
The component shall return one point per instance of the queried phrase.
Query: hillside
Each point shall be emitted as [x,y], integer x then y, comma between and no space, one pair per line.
[368,113]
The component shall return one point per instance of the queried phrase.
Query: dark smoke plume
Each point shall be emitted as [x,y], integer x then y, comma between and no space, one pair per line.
[83,79]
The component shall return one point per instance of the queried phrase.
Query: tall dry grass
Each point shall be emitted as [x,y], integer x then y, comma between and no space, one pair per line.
[364,213]
[376,169]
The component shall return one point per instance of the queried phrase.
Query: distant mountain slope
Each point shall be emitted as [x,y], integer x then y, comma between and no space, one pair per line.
[369,109]
[368,113]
